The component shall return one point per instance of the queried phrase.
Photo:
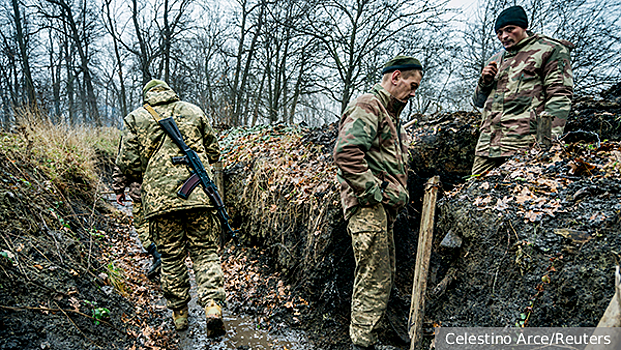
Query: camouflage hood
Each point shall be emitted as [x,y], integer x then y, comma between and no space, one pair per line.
[371,152]
[534,78]
[157,92]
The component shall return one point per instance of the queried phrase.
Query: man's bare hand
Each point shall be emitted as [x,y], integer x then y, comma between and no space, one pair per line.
[489,72]
[120,198]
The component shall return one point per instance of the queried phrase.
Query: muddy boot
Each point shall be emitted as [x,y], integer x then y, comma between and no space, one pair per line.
[156,267]
[215,324]
[180,318]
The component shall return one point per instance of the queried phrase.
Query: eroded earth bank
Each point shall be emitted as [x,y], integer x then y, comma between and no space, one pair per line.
[539,241]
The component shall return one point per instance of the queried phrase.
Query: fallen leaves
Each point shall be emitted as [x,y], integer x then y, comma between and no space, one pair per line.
[249,286]
[538,186]
[579,167]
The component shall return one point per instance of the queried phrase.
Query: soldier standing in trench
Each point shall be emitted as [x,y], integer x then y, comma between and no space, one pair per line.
[530,79]
[119,183]
[371,154]
[178,225]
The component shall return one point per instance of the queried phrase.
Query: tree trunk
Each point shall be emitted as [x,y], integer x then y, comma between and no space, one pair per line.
[144,57]
[70,79]
[122,98]
[55,76]
[166,50]
[28,83]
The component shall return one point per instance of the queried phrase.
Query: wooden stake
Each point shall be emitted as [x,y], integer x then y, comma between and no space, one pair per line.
[423,255]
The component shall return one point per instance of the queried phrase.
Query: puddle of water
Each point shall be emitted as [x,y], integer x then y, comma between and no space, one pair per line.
[241,333]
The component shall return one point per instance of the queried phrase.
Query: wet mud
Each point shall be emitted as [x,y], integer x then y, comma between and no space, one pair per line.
[242,332]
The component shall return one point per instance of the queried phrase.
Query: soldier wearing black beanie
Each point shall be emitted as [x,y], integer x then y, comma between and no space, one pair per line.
[513,15]
[526,87]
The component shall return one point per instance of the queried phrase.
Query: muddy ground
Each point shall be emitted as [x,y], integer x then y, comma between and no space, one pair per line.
[72,276]
[540,239]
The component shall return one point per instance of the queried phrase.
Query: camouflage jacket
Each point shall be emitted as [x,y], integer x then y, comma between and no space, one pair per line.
[533,78]
[120,182]
[371,152]
[146,152]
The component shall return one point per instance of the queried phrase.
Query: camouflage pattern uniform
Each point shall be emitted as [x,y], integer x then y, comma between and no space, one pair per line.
[371,156]
[119,183]
[177,225]
[534,78]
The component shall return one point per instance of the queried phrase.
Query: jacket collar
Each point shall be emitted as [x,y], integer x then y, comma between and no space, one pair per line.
[525,42]
[393,106]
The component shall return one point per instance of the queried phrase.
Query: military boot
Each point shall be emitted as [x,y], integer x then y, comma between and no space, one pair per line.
[156,266]
[215,324]
[180,318]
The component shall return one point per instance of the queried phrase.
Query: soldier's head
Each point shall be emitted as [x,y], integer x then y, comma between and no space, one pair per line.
[402,76]
[153,84]
[511,26]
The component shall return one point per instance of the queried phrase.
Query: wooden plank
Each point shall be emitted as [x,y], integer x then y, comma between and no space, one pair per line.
[423,255]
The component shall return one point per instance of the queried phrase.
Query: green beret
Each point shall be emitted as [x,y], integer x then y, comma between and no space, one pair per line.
[402,63]
[153,83]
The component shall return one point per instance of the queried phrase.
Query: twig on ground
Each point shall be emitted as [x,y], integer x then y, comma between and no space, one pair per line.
[10,246]
[49,232]
[24,308]
[76,326]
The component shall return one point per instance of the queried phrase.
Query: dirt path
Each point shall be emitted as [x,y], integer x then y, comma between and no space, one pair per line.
[243,330]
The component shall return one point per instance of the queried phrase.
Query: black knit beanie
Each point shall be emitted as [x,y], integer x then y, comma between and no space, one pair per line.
[513,15]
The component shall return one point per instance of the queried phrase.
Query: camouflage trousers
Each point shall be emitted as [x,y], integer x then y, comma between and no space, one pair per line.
[196,232]
[141,225]
[483,164]
[374,251]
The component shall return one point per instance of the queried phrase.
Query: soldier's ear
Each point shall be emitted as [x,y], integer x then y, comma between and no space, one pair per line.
[396,75]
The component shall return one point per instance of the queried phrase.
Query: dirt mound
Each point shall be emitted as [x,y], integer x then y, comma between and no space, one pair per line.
[540,241]
[593,118]
[281,189]
[71,274]
[52,293]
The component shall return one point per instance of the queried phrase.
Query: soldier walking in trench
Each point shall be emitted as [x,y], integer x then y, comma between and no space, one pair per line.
[119,183]
[371,154]
[530,79]
[178,225]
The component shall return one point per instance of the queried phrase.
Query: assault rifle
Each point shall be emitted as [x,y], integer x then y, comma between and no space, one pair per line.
[199,176]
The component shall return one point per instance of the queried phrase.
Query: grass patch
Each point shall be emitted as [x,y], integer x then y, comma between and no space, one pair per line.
[66,154]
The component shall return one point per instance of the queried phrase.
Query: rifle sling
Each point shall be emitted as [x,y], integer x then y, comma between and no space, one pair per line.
[153,113]
[192,181]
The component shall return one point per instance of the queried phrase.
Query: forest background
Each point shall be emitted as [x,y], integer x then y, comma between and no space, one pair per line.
[248,62]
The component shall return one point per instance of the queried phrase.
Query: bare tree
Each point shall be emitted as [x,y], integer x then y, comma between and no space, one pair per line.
[251,23]
[78,33]
[22,41]
[353,31]
[110,25]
